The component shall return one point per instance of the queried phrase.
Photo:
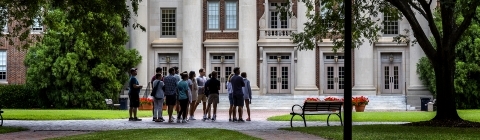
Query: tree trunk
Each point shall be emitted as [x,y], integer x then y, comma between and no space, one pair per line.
[444,67]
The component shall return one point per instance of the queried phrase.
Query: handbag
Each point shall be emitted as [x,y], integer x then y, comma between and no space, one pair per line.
[154,90]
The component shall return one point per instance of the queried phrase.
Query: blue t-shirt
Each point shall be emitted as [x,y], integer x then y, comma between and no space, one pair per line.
[182,90]
[237,84]
[132,90]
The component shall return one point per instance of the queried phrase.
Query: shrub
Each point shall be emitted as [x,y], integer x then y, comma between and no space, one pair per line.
[19,96]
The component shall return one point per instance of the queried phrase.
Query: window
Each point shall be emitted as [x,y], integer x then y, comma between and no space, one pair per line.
[390,26]
[213,15]
[275,17]
[231,14]
[168,23]
[37,25]
[3,65]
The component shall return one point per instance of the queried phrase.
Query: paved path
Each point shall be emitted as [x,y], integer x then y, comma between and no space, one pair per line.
[258,127]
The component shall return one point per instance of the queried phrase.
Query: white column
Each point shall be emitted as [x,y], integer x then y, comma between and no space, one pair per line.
[139,41]
[247,36]
[192,35]
[364,75]
[305,66]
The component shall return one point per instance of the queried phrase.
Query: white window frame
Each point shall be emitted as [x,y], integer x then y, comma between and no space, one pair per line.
[37,26]
[3,63]
[167,22]
[213,21]
[227,13]
[389,23]
[278,16]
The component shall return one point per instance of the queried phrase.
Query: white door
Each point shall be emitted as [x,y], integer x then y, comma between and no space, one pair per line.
[167,61]
[279,78]
[335,78]
[391,83]
[223,70]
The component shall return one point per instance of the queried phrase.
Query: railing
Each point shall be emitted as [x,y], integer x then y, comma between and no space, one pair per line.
[276,33]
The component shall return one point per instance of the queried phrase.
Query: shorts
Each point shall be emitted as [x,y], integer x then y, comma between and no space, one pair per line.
[201,98]
[134,100]
[170,99]
[213,98]
[238,100]
[230,98]
[194,96]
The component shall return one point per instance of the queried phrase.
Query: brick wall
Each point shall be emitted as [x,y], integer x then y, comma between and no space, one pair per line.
[16,70]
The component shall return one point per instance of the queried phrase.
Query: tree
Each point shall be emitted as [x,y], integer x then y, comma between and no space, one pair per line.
[22,14]
[467,71]
[75,66]
[442,58]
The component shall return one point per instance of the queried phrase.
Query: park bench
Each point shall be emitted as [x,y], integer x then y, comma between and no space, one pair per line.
[110,103]
[317,108]
[1,117]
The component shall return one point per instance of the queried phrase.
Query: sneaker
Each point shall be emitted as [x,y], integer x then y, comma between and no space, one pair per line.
[162,120]
[204,118]
[137,119]
[234,120]
[130,119]
[184,121]
[178,120]
[214,118]
[241,120]
[229,120]
[154,119]
[192,118]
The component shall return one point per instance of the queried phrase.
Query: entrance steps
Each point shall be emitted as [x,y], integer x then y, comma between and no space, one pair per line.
[285,102]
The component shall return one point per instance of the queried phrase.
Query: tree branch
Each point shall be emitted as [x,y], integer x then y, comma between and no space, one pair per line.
[415,6]
[418,32]
[431,22]
[467,20]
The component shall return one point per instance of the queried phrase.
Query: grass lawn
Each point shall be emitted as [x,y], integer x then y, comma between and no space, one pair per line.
[407,116]
[8,129]
[165,133]
[393,132]
[43,114]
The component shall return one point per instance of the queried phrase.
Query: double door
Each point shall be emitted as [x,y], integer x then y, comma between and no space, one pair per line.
[279,78]
[391,83]
[335,78]
[167,61]
[223,71]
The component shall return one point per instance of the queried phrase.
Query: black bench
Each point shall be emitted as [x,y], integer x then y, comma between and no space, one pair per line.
[1,117]
[318,108]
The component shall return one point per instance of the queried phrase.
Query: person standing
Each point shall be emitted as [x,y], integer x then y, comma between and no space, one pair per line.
[170,92]
[158,99]
[134,95]
[213,85]
[202,98]
[247,94]
[177,104]
[237,84]
[230,97]
[158,70]
[194,90]
[183,98]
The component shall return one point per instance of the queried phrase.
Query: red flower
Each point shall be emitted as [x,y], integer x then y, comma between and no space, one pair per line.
[312,99]
[360,100]
[146,101]
[332,99]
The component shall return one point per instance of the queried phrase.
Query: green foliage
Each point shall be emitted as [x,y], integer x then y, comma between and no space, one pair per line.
[77,66]
[467,66]
[19,96]
[9,129]
[24,13]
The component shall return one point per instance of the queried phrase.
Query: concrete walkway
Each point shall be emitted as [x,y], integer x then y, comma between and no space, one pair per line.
[258,127]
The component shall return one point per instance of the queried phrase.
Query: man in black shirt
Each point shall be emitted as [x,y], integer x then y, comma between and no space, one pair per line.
[213,85]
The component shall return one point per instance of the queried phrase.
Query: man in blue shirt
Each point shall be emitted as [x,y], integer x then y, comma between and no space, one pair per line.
[134,95]
[170,92]
[238,101]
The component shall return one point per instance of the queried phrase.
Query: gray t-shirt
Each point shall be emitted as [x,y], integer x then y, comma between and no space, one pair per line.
[159,93]
[201,80]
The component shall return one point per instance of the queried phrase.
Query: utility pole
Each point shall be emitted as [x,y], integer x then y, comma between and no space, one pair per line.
[347,128]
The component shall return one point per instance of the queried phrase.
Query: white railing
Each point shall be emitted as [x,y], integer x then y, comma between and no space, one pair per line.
[276,33]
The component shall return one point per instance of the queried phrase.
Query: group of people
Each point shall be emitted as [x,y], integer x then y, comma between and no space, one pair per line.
[186,91]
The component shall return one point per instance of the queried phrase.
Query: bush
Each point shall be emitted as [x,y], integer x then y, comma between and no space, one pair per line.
[19,96]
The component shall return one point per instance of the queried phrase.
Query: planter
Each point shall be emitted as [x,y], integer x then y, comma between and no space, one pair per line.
[145,107]
[360,108]
[164,107]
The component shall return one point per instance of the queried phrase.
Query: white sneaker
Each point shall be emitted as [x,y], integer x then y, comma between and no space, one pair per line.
[192,118]
[204,117]
[184,121]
